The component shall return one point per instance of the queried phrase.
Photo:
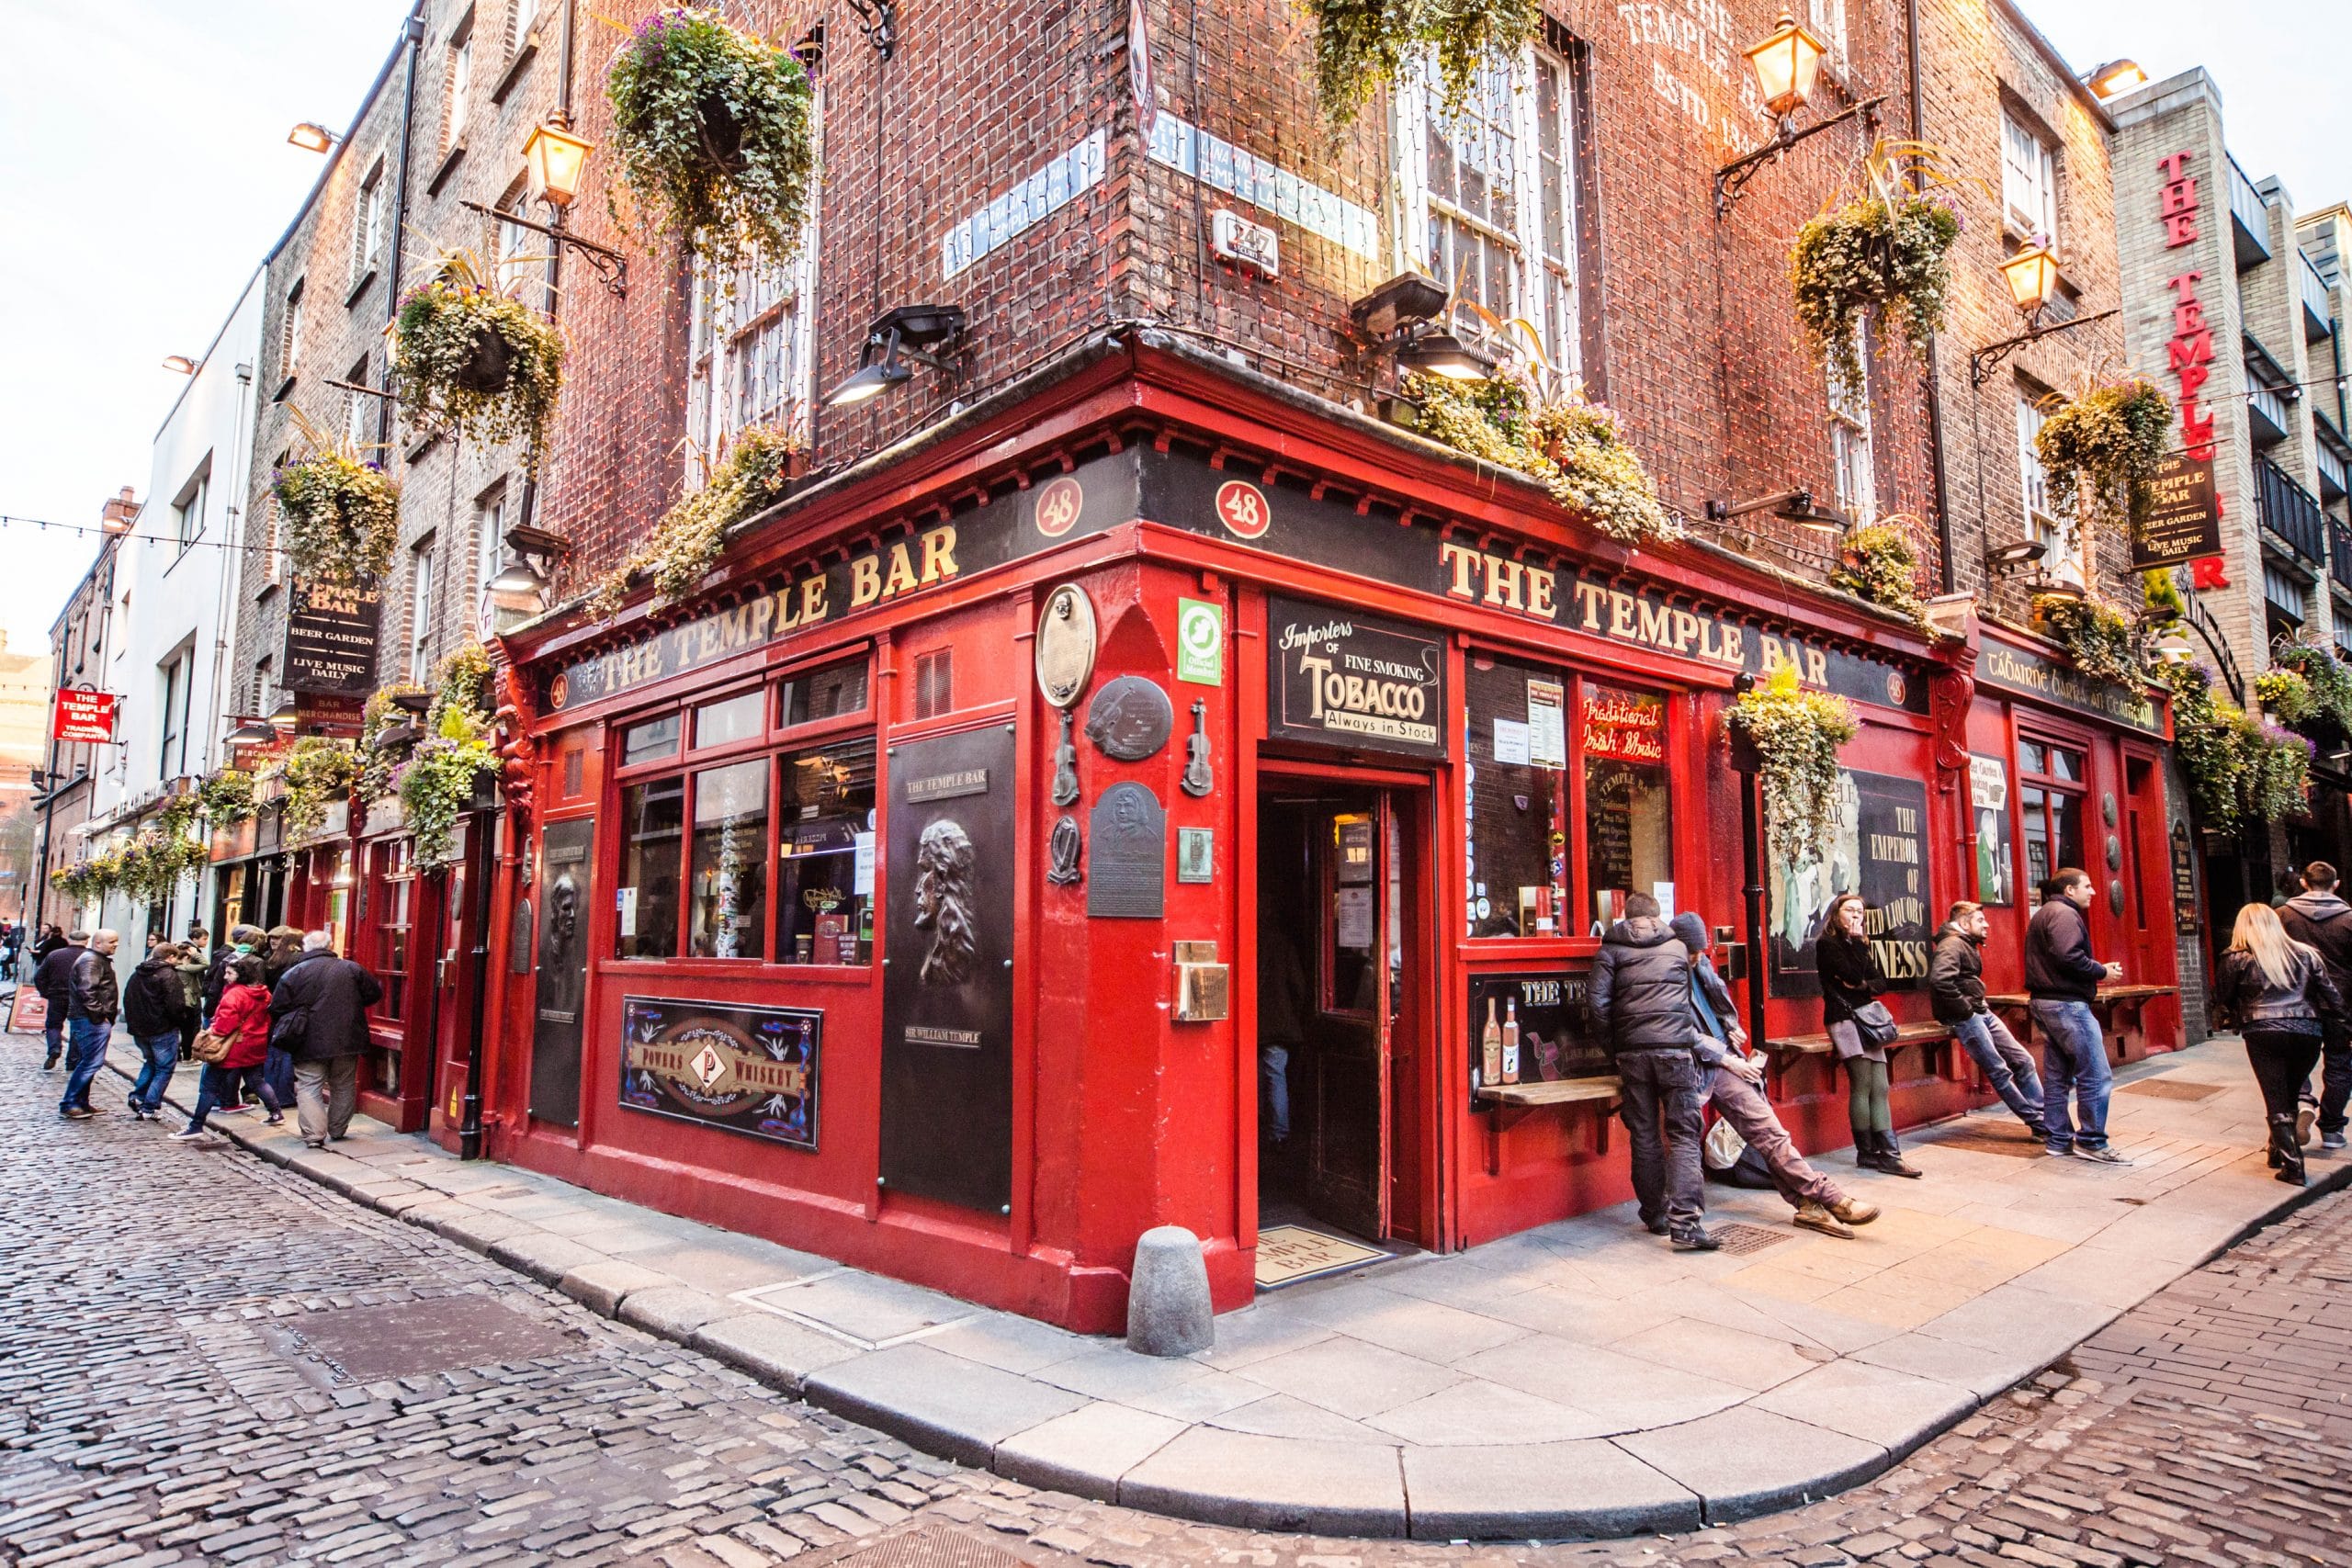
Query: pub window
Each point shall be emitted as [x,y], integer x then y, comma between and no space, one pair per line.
[1628,812]
[730,719]
[2049,798]
[653,815]
[730,850]
[825,899]
[831,691]
[389,901]
[644,742]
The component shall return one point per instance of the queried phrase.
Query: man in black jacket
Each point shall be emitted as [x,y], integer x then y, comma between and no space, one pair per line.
[1956,987]
[49,978]
[92,1000]
[319,1012]
[154,1006]
[2319,916]
[2062,980]
[1641,1001]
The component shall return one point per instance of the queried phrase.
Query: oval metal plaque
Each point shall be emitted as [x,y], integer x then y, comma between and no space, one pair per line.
[1065,645]
[1130,718]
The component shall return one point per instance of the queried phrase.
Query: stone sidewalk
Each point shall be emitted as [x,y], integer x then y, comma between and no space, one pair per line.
[1577,1379]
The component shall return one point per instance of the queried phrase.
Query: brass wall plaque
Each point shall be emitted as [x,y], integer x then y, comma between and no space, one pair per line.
[1066,640]
[1130,718]
[1129,878]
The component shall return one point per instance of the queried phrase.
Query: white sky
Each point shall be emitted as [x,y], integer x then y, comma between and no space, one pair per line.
[128,221]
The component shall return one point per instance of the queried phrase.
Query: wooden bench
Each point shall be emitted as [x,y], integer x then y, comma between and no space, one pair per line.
[2118,1009]
[1781,1051]
[1515,1100]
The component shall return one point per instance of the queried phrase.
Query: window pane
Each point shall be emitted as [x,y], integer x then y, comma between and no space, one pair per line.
[1517,870]
[2029,758]
[655,738]
[729,719]
[828,692]
[1354,969]
[825,892]
[2066,821]
[2037,842]
[2065,764]
[652,817]
[730,885]
[1628,814]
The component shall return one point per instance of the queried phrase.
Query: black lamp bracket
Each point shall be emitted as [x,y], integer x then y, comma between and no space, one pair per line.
[1733,177]
[878,20]
[1980,363]
[1781,500]
[609,265]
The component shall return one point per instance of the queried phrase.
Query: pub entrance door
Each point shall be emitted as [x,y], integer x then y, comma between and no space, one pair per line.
[1343,988]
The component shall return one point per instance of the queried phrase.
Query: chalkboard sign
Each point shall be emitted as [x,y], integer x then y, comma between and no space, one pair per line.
[1557,1038]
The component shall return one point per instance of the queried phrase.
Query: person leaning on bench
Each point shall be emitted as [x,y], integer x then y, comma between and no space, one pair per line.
[1956,987]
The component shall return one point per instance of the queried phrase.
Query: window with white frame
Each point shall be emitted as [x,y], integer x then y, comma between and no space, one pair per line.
[2029,179]
[491,523]
[457,89]
[750,354]
[177,679]
[355,409]
[419,610]
[1849,445]
[262,690]
[367,225]
[1488,199]
[520,17]
[1828,23]
[2051,531]
[522,255]
[188,513]
[290,333]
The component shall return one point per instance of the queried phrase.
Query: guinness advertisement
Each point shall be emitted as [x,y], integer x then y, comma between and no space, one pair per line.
[2008,667]
[748,1069]
[947,986]
[1343,678]
[1880,850]
[2182,524]
[331,639]
[567,854]
[1282,517]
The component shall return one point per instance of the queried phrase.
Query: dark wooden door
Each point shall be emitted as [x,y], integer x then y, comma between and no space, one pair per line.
[1347,1050]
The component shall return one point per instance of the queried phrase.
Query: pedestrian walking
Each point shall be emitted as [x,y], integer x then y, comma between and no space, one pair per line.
[2276,992]
[242,1023]
[1861,1030]
[191,968]
[1641,997]
[11,946]
[283,950]
[1956,988]
[52,938]
[2062,980]
[52,976]
[242,939]
[2319,919]
[153,1004]
[319,1009]
[1734,1089]
[92,1001]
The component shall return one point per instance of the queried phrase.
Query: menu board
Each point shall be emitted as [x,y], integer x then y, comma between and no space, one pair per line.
[1988,798]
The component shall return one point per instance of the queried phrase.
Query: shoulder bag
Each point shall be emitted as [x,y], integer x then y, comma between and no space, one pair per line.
[1875,1025]
[211,1049]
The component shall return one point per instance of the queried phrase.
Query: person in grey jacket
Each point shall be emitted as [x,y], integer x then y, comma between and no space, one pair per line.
[1956,987]
[1641,1002]
[1735,1087]
[2276,992]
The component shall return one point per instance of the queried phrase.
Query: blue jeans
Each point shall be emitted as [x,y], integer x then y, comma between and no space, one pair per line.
[1273,1090]
[218,1086]
[89,1056]
[54,1033]
[2076,1059]
[162,1053]
[2006,1066]
[1664,1092]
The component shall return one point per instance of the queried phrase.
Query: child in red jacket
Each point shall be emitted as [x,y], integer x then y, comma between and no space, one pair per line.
[242,1019]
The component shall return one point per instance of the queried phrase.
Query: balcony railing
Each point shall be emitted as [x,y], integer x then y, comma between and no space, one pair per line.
[2289,511]
[2319,308]
[2334,455]
[2339,554]
[2250,217]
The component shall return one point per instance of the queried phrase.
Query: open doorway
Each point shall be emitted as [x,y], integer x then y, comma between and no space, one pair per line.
[1340,987]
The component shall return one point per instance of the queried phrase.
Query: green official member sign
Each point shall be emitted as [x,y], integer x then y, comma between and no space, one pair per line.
[1200,642]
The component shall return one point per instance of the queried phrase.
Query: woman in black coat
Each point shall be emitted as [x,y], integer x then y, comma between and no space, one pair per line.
[1850,981]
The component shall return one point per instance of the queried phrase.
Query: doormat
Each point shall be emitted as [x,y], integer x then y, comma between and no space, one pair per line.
[2020,1147]
[1737,1238]
[1287,1254]
[2165,1088]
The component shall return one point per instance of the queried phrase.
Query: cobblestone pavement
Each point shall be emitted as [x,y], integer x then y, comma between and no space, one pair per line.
[206,1358]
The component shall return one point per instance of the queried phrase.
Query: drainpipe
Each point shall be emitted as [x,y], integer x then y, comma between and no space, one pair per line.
[414,29]
[1944,574]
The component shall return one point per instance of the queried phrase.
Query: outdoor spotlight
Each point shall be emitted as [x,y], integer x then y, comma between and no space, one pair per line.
[2032,276]
[1786,65]
[392,737]
[518,577]
[2171,647]
[920,332]
[285,714]
[312,138]
[252,731]
[1401,301]
[555,159]
[1428,352]
[2117,77]
[179,364]
[2016,556]
[2059,588]
[417,703]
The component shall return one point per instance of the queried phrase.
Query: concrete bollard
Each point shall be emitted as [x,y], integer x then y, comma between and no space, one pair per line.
[1167,1302]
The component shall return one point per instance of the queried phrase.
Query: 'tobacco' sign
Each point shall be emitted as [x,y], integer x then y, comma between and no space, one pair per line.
[83,715]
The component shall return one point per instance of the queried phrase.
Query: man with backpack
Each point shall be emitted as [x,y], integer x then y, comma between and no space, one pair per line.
[2319,918]
[50,977]
[319,1013]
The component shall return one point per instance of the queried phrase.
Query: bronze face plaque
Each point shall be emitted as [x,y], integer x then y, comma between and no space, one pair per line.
[1065,645]
[1129,878]
[1130,718]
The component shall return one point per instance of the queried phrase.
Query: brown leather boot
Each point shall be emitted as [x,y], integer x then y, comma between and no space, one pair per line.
[1854,1212]
[1814,1217]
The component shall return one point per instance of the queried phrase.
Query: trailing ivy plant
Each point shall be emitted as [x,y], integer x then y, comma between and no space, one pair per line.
[1880,564]
[2242,772]
[1797,735]
[2279,774]
[339,515]
[318,772]
[1883,248]
[685,544]
[474,360]
[2307,686]
[2101,639]
[438,779]
[715,135]
[377,765]
[226,797]
[1574,447]
[2102,447]
[1361,45]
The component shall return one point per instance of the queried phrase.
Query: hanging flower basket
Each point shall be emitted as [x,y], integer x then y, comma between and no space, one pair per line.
[318,772]
[2101,639]
[1362,45]
[1576,448]
[716,136]
[2308,688]
[1880,565]
[753,473]
[226,798]
[2103,446]
[1884,247]
[475,361]
[1797,735]
[458,754]
[340,518]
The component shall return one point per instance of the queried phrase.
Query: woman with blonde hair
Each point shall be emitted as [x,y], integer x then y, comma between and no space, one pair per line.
[2275,991]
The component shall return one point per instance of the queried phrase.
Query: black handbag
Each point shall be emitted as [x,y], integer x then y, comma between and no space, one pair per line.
[1875,1025]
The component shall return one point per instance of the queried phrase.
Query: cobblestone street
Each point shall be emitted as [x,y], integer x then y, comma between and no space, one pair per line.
[212,1359]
